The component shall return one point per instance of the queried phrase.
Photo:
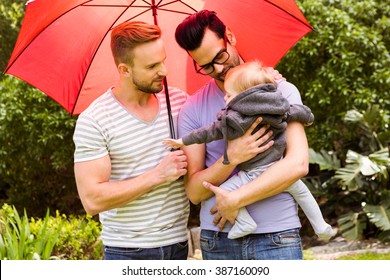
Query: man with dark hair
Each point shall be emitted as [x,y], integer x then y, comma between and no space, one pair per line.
[212,46]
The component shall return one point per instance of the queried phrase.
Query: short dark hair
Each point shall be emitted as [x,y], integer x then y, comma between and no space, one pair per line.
[190,32]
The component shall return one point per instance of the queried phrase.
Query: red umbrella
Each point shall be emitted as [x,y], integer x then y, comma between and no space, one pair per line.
[63,45]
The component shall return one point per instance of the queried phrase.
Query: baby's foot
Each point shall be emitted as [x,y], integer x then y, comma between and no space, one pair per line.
[327,234]
[243,225]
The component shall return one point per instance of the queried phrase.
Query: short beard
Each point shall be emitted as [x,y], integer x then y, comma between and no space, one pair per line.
[147,88]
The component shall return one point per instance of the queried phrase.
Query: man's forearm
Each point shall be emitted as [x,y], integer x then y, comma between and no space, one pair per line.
[280,175]
[239,150]
[215,174]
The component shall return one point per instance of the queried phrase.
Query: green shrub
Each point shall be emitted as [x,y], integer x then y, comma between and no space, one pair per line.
[36,151]
[79,239]
[59,237]
[18,241]
[357,183]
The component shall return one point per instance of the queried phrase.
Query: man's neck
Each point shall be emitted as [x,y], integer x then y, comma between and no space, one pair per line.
[220,85]
[129,95]
[143,105]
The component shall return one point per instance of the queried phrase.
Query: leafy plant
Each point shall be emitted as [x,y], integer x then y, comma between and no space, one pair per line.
[352,225]
[18,242]
[360,184]
[59,237]
[380,216]
[79,239]
[343,64]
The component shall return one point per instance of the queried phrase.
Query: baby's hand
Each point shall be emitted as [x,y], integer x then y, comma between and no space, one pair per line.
[173,143]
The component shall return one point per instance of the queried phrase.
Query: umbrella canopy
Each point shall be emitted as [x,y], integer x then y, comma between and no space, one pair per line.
[63,47]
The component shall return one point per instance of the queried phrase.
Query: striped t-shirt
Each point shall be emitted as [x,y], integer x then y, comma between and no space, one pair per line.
[159,217]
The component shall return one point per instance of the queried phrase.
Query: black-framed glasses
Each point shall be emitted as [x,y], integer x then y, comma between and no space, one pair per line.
[221,57]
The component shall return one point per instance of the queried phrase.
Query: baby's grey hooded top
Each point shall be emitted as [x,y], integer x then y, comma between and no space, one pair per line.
[236,118]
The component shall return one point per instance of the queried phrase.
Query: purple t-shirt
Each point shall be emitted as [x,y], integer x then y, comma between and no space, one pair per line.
[273,214]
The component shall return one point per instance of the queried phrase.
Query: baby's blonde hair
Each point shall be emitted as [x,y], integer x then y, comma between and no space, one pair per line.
[247,75]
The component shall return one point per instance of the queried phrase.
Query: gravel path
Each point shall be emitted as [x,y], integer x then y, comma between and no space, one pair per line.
[339,247]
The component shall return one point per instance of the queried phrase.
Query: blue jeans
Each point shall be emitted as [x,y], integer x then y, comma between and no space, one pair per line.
[178,251]
[284,245]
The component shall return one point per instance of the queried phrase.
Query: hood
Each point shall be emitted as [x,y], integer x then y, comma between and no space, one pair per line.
[262,98]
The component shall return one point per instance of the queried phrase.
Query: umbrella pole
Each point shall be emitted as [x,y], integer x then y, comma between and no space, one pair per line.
[171,126]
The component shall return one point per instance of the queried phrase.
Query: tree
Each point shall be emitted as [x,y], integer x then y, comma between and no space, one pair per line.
[36,147]
[36,150]
[343,64]
[11,14]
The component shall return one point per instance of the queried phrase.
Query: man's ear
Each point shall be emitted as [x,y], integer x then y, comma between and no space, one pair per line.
[124,69]
[230,36]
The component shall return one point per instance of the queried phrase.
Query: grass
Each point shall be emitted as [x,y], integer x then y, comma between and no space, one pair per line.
[367,256]
[308,255]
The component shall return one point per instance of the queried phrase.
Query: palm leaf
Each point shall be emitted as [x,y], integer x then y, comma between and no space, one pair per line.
[354,116]
[382,159]
[356,166]
[348,176]
[379,214]
[352,226]
[367,120]
[366,165]
[326,161]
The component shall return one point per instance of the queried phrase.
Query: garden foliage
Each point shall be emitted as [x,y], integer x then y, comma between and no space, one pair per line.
[53,237]
[358,187]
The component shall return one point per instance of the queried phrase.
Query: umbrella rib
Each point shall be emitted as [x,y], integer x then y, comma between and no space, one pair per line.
[127,7]
[22,51]
[37,35]
[88,4]
[172,2]
[278,7]
[94,55]
[115,6]
[158,6]
[173,11]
